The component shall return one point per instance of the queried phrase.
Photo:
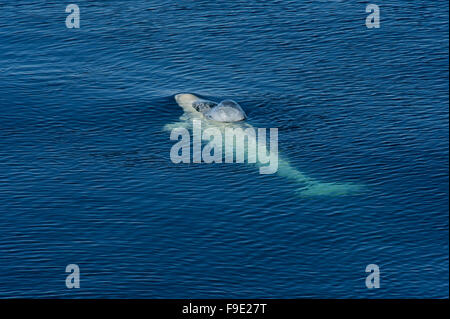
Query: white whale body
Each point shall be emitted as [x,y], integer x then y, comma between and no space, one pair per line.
[230,114]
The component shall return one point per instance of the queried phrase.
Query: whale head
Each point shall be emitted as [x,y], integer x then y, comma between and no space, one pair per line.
[185,100]
[227,111]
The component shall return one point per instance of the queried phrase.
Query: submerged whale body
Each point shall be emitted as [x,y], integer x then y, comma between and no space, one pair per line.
[229,113]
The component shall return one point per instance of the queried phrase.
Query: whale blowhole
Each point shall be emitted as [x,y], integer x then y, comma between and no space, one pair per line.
[226,111]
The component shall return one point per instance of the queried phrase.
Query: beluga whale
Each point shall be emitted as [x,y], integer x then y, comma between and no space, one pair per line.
[218,119]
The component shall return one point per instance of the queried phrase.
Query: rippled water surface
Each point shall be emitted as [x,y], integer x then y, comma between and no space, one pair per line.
[85,170]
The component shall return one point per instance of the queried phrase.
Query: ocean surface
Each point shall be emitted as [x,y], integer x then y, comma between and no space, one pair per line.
[86,176]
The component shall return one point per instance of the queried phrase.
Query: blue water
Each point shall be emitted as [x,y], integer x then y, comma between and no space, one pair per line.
[86,176]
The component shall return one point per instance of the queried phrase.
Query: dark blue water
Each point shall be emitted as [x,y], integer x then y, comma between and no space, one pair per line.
[86,176]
